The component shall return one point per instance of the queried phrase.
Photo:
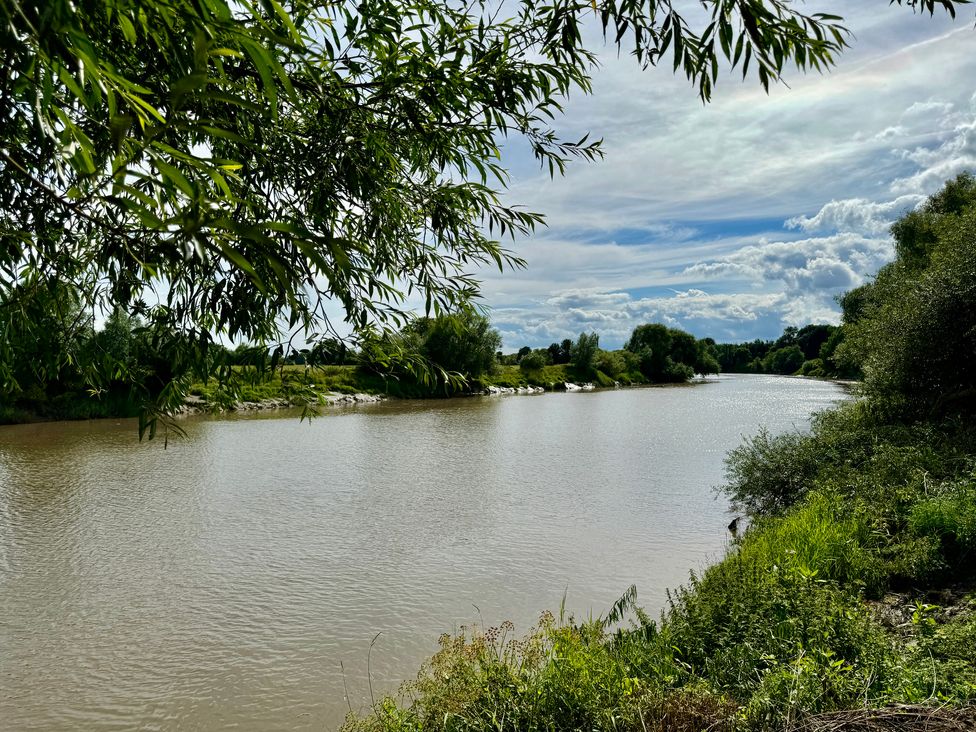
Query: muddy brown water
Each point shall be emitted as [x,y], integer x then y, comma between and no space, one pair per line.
[237,579]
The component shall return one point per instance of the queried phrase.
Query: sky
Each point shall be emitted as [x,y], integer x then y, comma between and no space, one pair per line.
[738,218]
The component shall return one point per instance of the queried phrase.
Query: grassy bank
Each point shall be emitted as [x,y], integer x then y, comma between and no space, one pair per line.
[293,381]
[848,592]
[296,384]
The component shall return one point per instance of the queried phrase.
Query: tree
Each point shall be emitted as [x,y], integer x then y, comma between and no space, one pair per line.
[788,338]
[810,338]
[915,333]
[534,360]
[706,361]
[221,169]
[684,347]
[786,360]
[652,343]
[583,353]
[47,335]
[464,343]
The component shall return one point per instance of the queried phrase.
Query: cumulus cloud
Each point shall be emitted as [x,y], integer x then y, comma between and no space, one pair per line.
[821,264]
[856,215]
[954,154]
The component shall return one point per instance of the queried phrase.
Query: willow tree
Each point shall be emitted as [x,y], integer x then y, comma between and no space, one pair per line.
[228,168]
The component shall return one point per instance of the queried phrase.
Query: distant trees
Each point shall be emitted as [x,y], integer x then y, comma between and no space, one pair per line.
[561,352]
[670,355]
[534,360]
[809,350]
[464,343]
[786,360]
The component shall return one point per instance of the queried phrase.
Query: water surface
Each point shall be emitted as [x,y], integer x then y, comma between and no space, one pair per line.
[237,578]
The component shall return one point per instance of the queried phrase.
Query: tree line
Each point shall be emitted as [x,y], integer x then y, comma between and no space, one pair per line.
[813,350]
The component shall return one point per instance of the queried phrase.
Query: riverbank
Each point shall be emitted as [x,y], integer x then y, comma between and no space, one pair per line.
[851,598]
[297,386]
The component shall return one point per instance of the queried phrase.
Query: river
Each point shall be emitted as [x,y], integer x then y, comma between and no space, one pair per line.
[237,578]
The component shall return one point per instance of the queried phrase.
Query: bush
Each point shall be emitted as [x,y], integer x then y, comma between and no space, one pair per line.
[777,640]
[534,360]
[949,520]
[677,373]
[914,329]
[767,474]
[583,353]
[786,360]
[814,367]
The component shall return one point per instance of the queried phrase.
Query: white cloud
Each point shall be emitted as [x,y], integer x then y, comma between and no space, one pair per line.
[820,264]
[954,154]
[856,215]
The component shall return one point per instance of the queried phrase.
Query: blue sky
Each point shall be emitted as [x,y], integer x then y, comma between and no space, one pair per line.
[740,217]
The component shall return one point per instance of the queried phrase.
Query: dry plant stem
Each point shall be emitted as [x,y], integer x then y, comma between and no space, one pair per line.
[899,718]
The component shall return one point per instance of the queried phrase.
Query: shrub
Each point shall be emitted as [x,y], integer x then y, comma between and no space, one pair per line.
[678,372]
[949,520]
[814,367]
[767,474]
[777,640]
[534,360]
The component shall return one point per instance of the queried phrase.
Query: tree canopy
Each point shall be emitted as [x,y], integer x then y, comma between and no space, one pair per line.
[914,326]
[230,169]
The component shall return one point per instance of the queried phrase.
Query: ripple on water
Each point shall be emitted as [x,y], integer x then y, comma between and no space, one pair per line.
[238,578]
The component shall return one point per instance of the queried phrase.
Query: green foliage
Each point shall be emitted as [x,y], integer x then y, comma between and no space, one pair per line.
[949,519]
[583,353]
[432,356]
[614,363]
[811,350]
[464,343]
[669,355]
[823,538]
[706,360]
[547,376]
[561,352]
[810,339]
[948,648]
[915,326]
[769,473]
[777,641]
[534,360]
[786,360]
[813,368]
